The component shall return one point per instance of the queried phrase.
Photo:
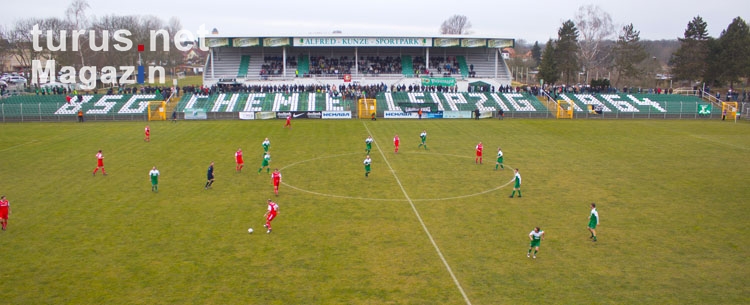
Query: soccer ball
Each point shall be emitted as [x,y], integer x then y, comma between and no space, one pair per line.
[250,230]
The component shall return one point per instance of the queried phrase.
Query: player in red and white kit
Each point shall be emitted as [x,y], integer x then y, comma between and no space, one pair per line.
[4,212]
[288,122]
[147,132]
[276,178]
[273,209]
[479,153]
[99,163]
[396,142]
[238,159]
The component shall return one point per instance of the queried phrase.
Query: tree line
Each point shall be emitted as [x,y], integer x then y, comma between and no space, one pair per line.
[17,40]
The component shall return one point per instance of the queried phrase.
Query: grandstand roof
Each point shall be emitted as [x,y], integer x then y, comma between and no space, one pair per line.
[342,40]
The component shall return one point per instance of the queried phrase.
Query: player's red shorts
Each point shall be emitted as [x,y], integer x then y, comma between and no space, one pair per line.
[479,153]
[240,161]
[270,216]
[276,182]
[396,143]
[3,213]
[100,162]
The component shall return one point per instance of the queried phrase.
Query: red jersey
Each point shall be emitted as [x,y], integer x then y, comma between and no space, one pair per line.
[238,157]
[276,177]
[479,149]
[273,208]
[147,131]
[100,159]
[396,140]
[4,206]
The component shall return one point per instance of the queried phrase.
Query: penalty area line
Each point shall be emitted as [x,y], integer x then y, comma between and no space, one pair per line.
[421,222]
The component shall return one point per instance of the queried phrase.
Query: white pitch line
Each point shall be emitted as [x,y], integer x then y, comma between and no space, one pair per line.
[14,146]
[424,227]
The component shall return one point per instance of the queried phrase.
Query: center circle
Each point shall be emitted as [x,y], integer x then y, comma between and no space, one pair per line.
[415,175]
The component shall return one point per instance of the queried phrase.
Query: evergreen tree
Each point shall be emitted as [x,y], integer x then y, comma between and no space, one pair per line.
[629,53]
[536,53]
[734,52]
[566,51]
[689,62]
[548,67]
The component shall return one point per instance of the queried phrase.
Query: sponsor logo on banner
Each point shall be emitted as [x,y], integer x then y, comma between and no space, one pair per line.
[265,115]
[445,42]
[246,42]
[245,115]
[217,42]
[299,114]
[337,115]
[434,115]
[500,43]
[473,42]
[400,115]
[275,42]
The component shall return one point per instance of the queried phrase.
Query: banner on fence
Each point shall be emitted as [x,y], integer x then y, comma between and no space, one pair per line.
[328,115]
[247,115]
[195,114]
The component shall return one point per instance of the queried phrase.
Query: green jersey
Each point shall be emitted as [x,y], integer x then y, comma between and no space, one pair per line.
[536,238]
[423,136]
[593,218]
[154,174]
[266,145]
[266,159]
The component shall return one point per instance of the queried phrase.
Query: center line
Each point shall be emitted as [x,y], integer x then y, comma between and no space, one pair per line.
[424,227]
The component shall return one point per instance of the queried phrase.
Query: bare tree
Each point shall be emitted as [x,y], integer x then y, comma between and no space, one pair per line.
[76,17]
[456,24]
[595,28]
[20,41]
[4,47]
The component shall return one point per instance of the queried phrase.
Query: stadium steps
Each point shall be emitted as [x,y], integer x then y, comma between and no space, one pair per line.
[672,103]
[463,66]
[303,64]
[407,66]
[244,66]
[402,98]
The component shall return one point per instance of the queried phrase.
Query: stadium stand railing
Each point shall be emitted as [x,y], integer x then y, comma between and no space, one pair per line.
[244,65]
[407,66]
[462,66]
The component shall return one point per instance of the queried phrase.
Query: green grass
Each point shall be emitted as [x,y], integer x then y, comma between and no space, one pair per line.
[672,196]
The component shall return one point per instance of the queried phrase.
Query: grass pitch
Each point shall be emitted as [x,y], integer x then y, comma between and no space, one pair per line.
[427,227]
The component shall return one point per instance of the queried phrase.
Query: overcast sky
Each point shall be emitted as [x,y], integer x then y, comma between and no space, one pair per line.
[527,20]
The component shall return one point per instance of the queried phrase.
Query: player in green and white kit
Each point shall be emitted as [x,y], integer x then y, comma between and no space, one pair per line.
[368,144]
[266,159]
[593,221]
[423,136]
[536,236]
[367,163]
[516,185]
[499,159]
[266,145]
[154,174]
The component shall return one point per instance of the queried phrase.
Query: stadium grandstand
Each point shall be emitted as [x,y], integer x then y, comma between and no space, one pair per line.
[368,60]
